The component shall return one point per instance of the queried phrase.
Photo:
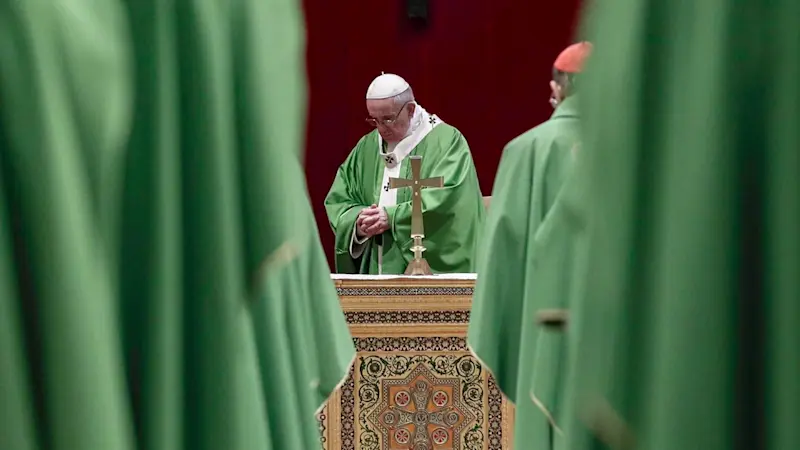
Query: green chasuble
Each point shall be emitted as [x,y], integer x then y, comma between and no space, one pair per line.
[65,91]
[526,265]
[233,328]
[688,327]
[453,214]
[162,284]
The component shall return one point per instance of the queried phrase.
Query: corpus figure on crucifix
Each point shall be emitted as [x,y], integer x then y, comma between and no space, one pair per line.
[373,222]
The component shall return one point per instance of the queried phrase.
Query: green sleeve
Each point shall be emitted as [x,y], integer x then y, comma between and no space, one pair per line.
[342,204]
[450,248]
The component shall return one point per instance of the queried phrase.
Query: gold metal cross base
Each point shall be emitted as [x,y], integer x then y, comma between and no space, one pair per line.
[418,265]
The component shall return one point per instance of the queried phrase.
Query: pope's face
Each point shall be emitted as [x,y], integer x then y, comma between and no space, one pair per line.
[391,119]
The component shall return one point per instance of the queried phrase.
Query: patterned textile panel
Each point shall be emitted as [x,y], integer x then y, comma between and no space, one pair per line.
[414,384]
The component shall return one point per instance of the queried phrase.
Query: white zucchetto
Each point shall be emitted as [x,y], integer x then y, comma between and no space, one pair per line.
[387,85]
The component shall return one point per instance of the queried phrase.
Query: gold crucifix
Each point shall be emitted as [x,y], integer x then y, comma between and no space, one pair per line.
[418,266]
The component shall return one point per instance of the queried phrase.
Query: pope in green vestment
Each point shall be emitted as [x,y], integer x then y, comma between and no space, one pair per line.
[162,284]
[527,261]
[372,222]
[687,328]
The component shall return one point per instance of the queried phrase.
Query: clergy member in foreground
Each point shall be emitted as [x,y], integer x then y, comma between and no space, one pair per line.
[687,321]
[527,261]
[372,222]
[162,283]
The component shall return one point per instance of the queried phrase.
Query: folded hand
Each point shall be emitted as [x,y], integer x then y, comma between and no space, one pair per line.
[372,221]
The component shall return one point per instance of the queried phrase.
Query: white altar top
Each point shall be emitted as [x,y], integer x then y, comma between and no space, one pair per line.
[444,276]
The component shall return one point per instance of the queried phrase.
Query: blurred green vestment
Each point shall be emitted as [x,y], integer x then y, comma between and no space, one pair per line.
[687,322]
[162,284]
[525,266]
[65,92]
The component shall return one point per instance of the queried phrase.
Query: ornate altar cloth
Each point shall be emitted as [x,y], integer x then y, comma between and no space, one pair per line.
[414,384]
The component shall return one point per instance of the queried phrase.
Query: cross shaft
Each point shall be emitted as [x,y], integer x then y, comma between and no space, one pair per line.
[416,183]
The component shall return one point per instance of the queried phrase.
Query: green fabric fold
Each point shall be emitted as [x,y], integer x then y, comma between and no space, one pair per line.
[162,281]
[687,312]
[526,264]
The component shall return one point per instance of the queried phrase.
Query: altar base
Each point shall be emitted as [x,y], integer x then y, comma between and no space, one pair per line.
[413,382]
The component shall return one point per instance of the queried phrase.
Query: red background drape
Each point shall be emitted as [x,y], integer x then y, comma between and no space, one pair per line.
[482,65]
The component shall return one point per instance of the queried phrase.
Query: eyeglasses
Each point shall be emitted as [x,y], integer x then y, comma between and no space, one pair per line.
[386,122]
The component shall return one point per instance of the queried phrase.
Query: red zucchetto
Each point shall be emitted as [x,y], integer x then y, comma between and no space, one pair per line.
[572,58]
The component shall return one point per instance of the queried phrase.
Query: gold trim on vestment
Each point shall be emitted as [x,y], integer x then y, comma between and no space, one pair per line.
[280,257]
[488,369]
[283,255]
[575,150]
[338,385]
[546,412]
[549,318]
[607,425]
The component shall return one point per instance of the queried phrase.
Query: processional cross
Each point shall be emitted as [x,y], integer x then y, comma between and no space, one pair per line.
[418,266]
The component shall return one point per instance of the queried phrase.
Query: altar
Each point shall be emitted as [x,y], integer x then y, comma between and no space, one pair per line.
[414,384]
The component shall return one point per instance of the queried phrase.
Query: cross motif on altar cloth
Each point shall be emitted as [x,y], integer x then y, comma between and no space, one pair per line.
[422,411]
